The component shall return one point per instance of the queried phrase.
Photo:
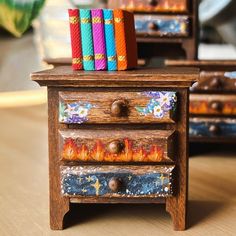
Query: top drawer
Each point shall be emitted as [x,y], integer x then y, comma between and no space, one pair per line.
[215,81]
[117,107]
[154,5]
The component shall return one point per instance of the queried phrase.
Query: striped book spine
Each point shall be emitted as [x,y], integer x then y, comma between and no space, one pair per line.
[99,44]
[126,45]
[110,39]
[87,39]
[77,62]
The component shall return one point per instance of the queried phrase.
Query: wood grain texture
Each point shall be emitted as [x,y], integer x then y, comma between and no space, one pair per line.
[214,81]
[177,206]
[166,6]
[218,129]
[24,189]
[65,61]
[135,145]
[99,105]
[64,76]
[212,104]
[164,26]
[59,206]
[204,65]
[212,98]
[150,46]
[181,79]
[134,181]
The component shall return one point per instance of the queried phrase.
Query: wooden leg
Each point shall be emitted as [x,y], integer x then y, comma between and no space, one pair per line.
[58,209]
[190,49]
[177,205]
[177,210]
[59,205]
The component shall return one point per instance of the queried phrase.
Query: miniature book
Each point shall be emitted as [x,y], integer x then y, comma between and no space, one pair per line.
[87,39]
[77,62]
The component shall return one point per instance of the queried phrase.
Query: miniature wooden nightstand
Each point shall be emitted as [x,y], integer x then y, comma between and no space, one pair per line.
[164,28]
[118,137]
[212,101]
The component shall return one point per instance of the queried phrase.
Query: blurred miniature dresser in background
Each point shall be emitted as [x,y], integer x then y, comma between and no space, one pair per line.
[212,101]
[118,137]
[164,28]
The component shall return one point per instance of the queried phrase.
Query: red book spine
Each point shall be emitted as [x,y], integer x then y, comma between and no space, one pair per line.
[74,19]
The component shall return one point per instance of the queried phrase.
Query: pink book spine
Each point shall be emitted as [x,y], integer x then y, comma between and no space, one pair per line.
[99,43]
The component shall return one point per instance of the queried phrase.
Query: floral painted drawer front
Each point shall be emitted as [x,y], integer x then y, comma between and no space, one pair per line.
[104,107]
[117,145]
[162,26]
[75,112]
[135,181]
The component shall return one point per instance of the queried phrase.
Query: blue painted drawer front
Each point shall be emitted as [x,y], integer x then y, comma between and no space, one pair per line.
[166,26]
[201,128]
[137,181]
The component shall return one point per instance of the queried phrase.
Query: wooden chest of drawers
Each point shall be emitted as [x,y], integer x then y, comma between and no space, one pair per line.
[212,101]
[118,137]
[164,28]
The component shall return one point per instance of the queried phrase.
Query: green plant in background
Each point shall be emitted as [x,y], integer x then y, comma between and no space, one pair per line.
[16,16]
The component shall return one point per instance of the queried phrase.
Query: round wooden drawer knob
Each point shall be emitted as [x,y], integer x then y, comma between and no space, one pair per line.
[153,3]
[119,108]
[214,129]
[115,184]
[152,26]
[217,106]
[216,83]
[115,147]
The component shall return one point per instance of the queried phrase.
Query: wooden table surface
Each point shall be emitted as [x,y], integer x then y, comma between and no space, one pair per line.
[24,190]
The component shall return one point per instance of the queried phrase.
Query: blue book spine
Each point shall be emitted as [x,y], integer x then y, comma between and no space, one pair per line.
[110,39]
[87,39]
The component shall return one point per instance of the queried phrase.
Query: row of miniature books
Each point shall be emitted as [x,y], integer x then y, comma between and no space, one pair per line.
[102,39]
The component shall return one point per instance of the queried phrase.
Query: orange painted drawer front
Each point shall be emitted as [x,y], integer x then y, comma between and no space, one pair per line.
[117,145]
[153,5]
[212,104]
[117,107]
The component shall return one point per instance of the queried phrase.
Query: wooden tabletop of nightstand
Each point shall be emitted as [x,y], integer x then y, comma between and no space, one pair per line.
[65,76]
[208,65]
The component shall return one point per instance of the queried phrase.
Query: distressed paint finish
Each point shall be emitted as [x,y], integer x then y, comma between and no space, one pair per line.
[93,181]
[201,128]
[215,81]
[103,88]
[74,112]
[135,145]
[212,104]
[161,6]
[162,25]
[141,107]
[160,102]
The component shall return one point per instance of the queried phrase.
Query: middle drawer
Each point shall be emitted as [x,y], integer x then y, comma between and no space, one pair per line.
[212,104]
[117,145]
[121,107]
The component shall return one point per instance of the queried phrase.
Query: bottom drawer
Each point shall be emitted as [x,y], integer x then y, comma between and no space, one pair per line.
[117,181]
[212,127]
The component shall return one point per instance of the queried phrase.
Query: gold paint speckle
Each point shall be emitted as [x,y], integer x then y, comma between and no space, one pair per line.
[84,190]
[89,179]
[97,186]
